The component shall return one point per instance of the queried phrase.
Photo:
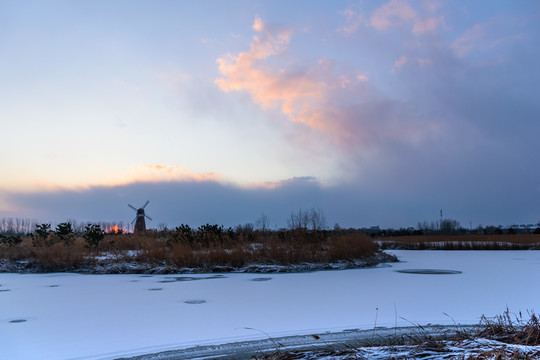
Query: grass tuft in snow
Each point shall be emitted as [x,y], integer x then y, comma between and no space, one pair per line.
[506,336]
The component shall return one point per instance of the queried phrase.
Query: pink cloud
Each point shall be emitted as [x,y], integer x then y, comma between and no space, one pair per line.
[399,13]
[329,103]
[399,63]
[159,173]
[298,95]
[353,20]
[469,40]
[393,13]
[427,25]
[271,185]
[362,77]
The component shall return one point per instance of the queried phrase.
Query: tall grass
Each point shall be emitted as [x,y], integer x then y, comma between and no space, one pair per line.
[204,249]
[271,248]
[463,242]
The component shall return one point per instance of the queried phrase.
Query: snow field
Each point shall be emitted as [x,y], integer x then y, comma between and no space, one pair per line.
[76,316]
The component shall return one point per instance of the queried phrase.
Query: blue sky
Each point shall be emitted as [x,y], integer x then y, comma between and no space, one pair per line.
[379,113]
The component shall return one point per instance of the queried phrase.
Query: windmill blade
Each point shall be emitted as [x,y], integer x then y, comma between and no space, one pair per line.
[134,220]
[146,203]
[148,217]
[133,207]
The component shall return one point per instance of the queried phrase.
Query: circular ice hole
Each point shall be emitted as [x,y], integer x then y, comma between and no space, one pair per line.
[261,279]
[4,290]
[17,321]
[54,285]
[155,289]
[429,271]
[195,302]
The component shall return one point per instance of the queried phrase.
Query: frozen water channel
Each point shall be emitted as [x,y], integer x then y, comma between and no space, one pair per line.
[76,316]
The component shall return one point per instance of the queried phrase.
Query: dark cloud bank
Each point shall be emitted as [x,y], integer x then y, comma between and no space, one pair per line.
[196,203]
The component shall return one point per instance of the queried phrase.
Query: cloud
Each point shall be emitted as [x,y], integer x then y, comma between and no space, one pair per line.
[388,203]
[160,173]
[283,183]
[400,62]
[362,77]
[485,36]
[469,40]
[395,13]
[428,25]
[392,14]
[296,94]
[353,20]
[137,173]
[315,96]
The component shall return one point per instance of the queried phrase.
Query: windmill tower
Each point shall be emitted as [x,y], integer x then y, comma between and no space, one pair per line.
[140,224]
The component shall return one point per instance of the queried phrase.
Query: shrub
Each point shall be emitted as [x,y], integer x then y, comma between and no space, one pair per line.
[10,240]
[43,230]
[93,235]
[40,235]
[181,234]
[65,233]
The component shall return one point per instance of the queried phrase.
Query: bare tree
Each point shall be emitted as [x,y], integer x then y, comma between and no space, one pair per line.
[317,219]
[298,220]
[304,219]
[263,222]
[449,226]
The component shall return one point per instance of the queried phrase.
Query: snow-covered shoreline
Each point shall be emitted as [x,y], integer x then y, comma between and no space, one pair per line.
[112,265]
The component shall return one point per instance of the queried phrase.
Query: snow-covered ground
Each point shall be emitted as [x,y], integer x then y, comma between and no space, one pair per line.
[75,316]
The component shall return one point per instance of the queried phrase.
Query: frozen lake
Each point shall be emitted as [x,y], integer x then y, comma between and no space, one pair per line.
[75,316]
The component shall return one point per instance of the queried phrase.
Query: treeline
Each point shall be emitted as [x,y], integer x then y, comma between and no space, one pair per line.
[312,219]
[450,227]
[21,226]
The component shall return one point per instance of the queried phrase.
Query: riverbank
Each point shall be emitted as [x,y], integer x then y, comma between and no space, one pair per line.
[123,264]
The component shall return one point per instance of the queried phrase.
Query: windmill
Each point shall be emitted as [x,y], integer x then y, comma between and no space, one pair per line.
[140,224]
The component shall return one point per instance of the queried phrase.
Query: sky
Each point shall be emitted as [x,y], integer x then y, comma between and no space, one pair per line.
[376,112]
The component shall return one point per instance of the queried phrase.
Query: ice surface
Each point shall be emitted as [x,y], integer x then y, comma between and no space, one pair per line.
[75,316]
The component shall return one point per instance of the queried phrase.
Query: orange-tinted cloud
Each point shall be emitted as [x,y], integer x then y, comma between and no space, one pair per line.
[137,174]
[160,173]
[297,95]
[344,109]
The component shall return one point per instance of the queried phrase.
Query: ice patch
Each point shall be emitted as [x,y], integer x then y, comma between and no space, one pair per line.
[429,271]
[190,278]
[194,302]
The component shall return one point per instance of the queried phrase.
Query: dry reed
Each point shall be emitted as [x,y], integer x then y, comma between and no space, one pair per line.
[204,251]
